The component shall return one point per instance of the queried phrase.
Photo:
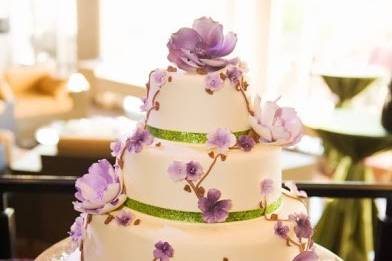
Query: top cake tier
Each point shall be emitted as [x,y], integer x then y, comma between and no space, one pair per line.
[196,103]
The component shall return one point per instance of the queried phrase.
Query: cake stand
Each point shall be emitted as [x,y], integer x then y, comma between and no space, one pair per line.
[61,251]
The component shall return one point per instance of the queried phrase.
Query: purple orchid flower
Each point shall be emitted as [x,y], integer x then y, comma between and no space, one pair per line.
[116,147]
[221,139]
[302,228]
[246,143]
[76,230]
[213,209]
[281,230]
[139,139]
[213,82]
[123,218]
[276,125]
[234,74]
[163,251]
[100,190]
[201,46]
[309,255]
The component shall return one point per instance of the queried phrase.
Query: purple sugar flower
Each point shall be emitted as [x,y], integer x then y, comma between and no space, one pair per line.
[246,143]
[158,77]
[193,170]
[116,147]
[213,82]
[276,125]
[100,190]
[139,138]
[281,230]
[234,74]
[221,139]
[76,230]
[144,106]
[177,171]
[309,255]
[302,228]
[124,218]
[163,251]
[213,209]
[201,46]
[266,186]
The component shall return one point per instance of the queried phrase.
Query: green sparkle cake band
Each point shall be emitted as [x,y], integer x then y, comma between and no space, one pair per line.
[196,217]
[184,136]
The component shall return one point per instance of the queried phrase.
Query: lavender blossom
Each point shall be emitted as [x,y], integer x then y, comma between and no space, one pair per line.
[194,170]
[163,251]
[309,255]
[213,209]
[123,218]
[221,139]
[213,82]
[302,228]
[201,46]
[76,230]
[139,139]
[276,125]
[234,74]
[116,147]
[100,190]
[266,186]
[158,77]
[281,230]
[246,143]
[177,171]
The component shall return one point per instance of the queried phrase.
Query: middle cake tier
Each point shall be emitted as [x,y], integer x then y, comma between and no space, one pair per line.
[238,177]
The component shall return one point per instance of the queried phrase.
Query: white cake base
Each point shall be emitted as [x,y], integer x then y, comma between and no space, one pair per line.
[239,241]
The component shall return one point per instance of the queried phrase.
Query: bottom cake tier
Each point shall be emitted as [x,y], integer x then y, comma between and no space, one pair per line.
[250,240]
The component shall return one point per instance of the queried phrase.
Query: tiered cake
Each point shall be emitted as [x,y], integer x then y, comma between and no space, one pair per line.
[200,178]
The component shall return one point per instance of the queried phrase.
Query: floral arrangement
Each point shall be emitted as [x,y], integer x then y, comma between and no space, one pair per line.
[201,47]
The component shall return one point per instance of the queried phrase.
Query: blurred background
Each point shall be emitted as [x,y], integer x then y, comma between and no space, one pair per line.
[72,73]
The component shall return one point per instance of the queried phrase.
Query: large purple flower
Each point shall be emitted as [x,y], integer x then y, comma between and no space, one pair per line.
[139,139]
[309,255]
[213,209]
[100,190]
[201,46]
[76,230]
[276,125]
[163,251]
[221,139]
[302,228]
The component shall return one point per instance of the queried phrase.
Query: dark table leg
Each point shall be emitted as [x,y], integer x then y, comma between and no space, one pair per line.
[384,249]
[7,230]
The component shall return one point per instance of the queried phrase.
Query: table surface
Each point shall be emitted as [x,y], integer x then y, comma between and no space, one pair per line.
[61,252]
[355,122]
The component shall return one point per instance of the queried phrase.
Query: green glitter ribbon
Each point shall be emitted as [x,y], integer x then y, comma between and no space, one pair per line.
[183,136]
[196,217]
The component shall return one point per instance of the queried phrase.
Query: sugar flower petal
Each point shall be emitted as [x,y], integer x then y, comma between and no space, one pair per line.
[177,171]
[163,251]
[221,140]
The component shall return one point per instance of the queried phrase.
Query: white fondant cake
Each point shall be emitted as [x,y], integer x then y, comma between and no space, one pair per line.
[197,180]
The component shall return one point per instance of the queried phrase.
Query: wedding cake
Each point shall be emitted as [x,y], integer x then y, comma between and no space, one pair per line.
[200,178]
